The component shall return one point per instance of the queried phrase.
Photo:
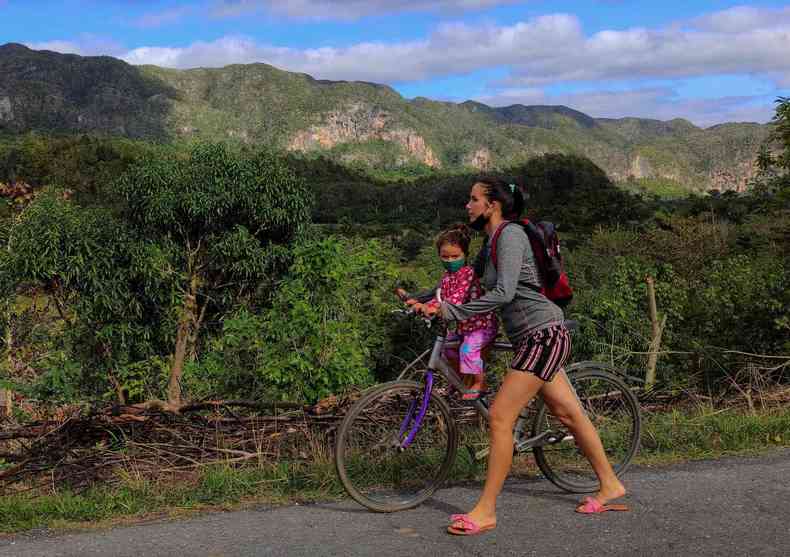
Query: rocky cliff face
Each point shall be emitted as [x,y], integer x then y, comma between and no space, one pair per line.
[481,159]
[735,179]
[358,123]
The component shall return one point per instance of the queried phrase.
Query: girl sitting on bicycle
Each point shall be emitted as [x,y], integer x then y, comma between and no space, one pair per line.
[459,284]
[541,342]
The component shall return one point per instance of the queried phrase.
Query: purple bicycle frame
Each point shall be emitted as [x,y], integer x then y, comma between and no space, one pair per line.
[426,397]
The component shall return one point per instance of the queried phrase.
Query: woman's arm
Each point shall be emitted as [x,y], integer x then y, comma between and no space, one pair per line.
[510,257]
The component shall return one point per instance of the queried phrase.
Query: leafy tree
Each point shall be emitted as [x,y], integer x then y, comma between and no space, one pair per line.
[101,278]
[573,191]
[774,158]
[224,219]
[324,331]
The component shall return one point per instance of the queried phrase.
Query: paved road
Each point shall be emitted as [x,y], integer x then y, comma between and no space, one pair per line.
[728,507]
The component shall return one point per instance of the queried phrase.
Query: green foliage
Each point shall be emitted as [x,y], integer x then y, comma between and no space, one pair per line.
[368,123]
[323,332]
[212,192]
[84,164]
[611,303]
[661,188]
[774,157]
[104,282]
[745,305]
[218,223]
[212,227]
[573,191]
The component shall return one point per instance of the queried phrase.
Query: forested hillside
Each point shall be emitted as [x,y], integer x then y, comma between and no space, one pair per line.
[365,125]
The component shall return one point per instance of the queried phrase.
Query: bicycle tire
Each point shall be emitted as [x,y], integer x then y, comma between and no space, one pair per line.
[614,410]
[370,465]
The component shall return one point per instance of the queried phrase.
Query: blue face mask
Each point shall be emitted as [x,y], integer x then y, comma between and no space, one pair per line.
[453,266]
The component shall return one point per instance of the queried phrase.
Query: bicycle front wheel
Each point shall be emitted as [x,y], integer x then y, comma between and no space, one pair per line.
[376,465]
[614,411]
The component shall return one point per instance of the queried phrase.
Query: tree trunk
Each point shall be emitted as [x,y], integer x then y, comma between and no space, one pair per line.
[9,345]
[186,326]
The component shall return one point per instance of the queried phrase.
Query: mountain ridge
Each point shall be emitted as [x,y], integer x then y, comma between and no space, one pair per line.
[354,122]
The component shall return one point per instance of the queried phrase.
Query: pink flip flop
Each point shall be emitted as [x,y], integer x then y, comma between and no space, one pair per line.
[467,527]
[590,505]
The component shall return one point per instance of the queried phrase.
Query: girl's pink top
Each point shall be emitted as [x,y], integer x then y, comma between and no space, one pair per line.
[460,287]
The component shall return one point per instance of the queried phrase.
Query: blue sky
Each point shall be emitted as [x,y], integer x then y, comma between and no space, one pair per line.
[709,62]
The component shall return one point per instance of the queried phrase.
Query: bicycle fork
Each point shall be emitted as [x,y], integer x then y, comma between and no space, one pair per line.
[410,418]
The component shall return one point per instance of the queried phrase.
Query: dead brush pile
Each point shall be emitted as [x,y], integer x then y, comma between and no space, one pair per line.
[78,448]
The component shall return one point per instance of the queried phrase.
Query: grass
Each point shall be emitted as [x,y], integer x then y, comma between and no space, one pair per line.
[677,436]
[134,498]
[667,438]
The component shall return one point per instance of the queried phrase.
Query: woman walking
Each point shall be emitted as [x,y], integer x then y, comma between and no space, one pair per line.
[541,343]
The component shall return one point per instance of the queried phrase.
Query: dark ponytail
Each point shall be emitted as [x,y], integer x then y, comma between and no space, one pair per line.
[509,195]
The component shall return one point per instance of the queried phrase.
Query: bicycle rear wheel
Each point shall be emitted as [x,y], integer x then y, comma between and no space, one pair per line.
[614,411]
[371,462]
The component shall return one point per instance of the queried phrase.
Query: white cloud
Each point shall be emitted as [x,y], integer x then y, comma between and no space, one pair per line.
[65,47]
[84,45]
[544,50]
[346,9]
[742,18]
[166,17]
[660,103]
[452,49]
[719,43]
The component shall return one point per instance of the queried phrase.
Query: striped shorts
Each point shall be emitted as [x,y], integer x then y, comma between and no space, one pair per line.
[544,353]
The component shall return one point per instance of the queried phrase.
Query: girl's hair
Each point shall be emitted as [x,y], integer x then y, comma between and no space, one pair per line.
[509,195]
[458,235]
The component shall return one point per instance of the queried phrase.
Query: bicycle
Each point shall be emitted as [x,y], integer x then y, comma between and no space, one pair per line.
[397,444]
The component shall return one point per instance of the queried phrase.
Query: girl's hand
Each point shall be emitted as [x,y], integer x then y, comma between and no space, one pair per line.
[411,302]
[429,311]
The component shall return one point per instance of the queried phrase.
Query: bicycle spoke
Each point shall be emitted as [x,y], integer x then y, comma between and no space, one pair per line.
[612,409]
[373,464]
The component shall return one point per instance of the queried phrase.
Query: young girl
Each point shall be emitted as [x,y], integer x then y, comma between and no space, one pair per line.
[460,285]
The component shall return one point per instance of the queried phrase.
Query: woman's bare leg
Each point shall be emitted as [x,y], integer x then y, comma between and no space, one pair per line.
[516,391]
[563,403]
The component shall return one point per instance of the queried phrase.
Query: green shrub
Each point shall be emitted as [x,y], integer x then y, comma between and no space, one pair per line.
[324,329]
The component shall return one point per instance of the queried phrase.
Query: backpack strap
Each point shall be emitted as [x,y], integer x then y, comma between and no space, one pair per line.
[526,224]
[495,238]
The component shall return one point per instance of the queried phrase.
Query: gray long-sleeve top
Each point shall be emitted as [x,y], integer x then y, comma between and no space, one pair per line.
[511,288]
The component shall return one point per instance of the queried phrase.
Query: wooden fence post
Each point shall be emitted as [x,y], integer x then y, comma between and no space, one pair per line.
[6,401]
[658,329]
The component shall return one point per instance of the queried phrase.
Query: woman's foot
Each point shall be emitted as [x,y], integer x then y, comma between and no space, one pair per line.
[600,501]
[475,518]
[609,492]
